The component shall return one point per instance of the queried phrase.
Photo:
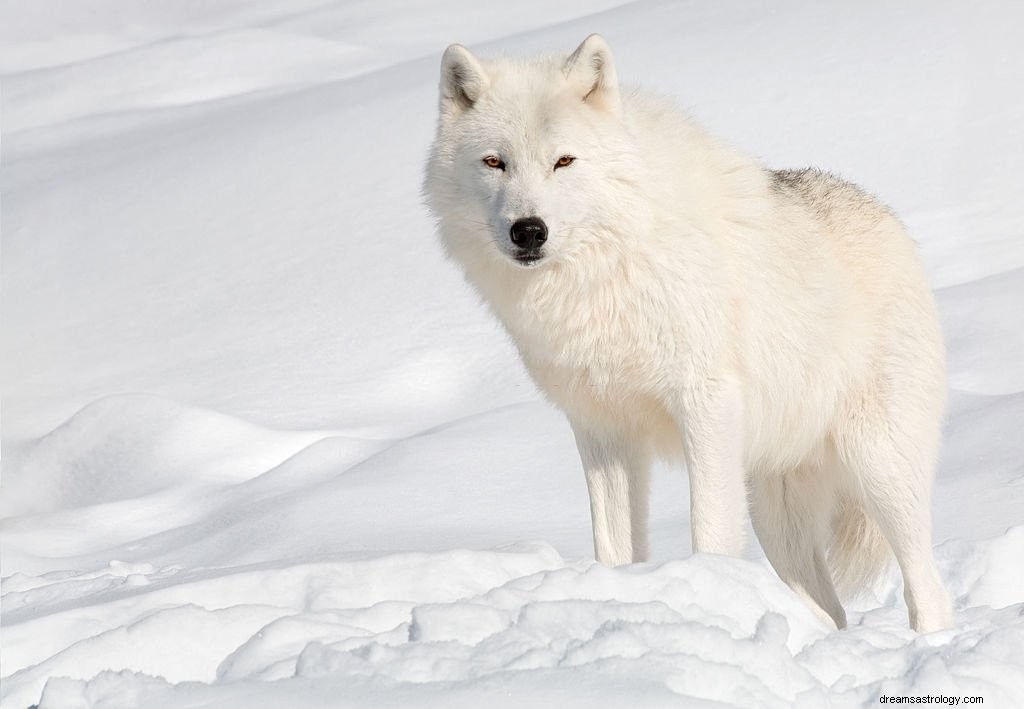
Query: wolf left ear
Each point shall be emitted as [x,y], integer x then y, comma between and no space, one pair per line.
[463,80]
[590,72]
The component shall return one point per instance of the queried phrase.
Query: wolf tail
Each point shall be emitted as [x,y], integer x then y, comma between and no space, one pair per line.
[859,552]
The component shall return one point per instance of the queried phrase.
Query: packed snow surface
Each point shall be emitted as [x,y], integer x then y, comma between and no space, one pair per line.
[263,448]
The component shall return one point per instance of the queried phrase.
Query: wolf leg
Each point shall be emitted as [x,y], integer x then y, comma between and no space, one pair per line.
[892,470]
[791,514]
[712,424]
[617,479]
[902,513]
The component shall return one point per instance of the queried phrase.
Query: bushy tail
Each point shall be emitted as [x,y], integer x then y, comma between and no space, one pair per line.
[859,553]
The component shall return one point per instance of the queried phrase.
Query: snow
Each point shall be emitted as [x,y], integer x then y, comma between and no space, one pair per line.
[262,447]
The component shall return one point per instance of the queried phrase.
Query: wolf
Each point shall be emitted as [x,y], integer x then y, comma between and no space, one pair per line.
[772,330]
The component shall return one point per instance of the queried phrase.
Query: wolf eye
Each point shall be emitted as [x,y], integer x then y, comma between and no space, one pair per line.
[564,161]
[495,162]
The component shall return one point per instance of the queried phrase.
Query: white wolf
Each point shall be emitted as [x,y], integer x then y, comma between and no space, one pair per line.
[772,329]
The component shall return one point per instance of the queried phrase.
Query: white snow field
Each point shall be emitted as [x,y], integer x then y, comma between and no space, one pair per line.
[263,448]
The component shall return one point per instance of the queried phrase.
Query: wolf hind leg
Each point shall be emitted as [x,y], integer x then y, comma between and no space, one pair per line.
[894,479]
[791,514]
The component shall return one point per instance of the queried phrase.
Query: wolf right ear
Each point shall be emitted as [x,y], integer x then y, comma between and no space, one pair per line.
[590,72]
[463,80]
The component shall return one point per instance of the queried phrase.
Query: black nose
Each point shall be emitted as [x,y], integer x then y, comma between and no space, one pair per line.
[529,233]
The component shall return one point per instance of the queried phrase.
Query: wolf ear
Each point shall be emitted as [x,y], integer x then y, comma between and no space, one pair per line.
[590,72]
[463,80]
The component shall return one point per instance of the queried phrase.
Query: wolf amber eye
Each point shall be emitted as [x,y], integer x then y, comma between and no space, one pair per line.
[565,161]
[495,162]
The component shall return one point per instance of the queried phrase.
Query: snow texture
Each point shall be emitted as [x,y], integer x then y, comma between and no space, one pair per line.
[263,448]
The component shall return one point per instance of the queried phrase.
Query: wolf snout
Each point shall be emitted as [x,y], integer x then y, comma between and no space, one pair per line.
[529,233]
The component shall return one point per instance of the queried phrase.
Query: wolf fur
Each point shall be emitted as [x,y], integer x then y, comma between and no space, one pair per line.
[771,329]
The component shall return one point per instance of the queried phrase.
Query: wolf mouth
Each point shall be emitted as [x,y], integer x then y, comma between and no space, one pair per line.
[529,257]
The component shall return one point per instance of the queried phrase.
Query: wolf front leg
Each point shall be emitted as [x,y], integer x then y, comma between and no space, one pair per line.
[712,423]
[617,479]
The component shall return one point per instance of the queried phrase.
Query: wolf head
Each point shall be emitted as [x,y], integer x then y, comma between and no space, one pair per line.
[531,163]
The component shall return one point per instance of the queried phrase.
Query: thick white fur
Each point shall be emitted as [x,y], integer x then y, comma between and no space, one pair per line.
[773,330]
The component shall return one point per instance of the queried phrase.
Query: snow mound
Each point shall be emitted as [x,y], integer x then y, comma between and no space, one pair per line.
[130,446]
[706,629]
